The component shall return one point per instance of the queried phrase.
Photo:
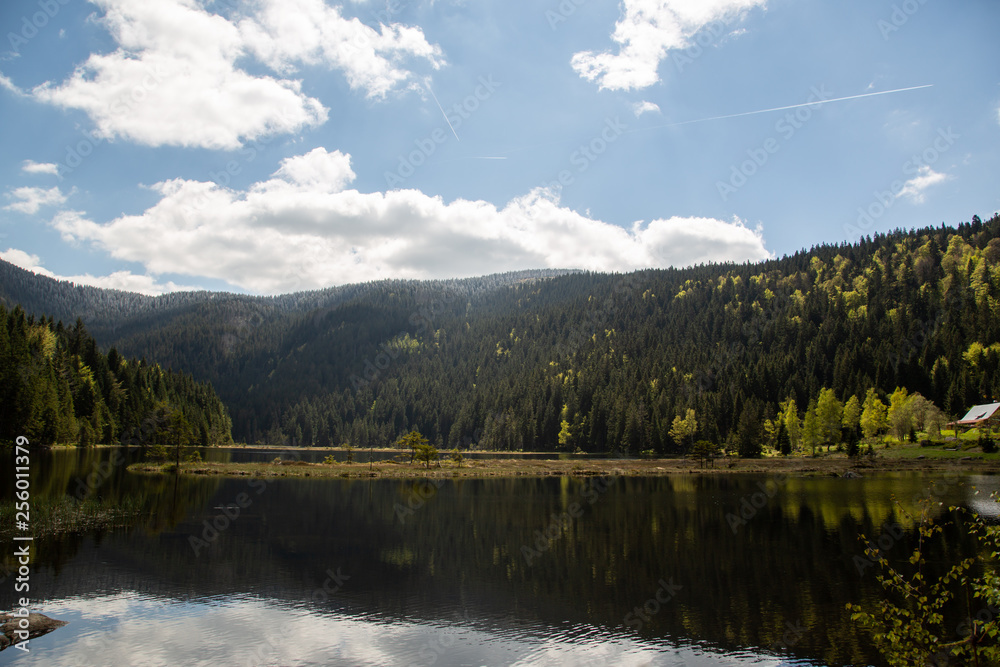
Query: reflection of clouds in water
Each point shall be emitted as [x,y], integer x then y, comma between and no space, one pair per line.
[129,629]
[980,488]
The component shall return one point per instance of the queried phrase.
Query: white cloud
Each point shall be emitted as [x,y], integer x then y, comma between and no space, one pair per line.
[915,188]
[173,80]
[32,167]
[9,85]
[120,280]
[29,200]
[301,229]
[645,34]
[640,108]
[286,32]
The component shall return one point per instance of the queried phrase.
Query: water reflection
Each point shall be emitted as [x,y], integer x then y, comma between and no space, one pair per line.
[642,571]
[116,629]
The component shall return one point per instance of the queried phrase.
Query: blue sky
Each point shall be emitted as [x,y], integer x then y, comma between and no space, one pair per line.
[270,146]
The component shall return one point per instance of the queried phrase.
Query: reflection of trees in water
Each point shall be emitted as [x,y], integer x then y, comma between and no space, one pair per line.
[789,566]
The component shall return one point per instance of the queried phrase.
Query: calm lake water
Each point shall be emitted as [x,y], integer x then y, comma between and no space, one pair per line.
[588,571]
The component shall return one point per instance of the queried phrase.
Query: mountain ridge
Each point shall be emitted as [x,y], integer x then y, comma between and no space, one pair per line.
[588,360]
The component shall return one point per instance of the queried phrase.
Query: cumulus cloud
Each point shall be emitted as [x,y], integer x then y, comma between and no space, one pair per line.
[32,167]
[640,108]
[174,79]
[303,229]
[120,280]
[29,200]
[647,31]
[287,32]
[915,188]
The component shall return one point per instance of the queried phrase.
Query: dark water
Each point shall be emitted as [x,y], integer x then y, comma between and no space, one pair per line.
[335,572]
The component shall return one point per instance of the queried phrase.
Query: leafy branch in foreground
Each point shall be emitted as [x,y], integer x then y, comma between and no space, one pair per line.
[911,626]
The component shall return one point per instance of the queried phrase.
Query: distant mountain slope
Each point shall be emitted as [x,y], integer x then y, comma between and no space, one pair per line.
[589,360]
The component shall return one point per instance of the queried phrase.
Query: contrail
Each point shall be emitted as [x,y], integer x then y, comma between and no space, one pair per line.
[442,110]
[791,106]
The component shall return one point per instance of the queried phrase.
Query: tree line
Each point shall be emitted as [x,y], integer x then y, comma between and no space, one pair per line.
[602,362]
[56,386]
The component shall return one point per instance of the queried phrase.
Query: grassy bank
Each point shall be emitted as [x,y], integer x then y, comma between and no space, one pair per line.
[888,460]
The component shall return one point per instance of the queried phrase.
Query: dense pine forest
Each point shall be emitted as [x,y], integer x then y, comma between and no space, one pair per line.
[580,361]
[57,387]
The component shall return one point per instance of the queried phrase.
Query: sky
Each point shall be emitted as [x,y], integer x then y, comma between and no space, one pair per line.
[272,146]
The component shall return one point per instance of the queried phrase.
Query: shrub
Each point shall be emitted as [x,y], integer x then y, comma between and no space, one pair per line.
[158,453]
[426,453]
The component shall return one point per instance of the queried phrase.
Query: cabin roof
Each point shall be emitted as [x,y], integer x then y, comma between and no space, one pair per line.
[979,413]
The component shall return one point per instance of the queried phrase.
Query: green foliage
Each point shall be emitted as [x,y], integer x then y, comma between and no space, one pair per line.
[614,357]
[782,441]
[418,445]
[874,415]
[829,417]
[158,453]
[425,453]
[911,625]
[705,451]
[56,386]
[811,428]
[457,457]
[330,460]
[683,429]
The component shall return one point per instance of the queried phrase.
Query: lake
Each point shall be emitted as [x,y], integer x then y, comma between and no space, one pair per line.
[685,571]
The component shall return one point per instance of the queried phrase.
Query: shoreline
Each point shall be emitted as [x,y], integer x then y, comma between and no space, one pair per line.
[826,466]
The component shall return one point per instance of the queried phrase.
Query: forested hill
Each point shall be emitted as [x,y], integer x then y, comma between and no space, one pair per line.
[596,361]
[107,310]
[57,387]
